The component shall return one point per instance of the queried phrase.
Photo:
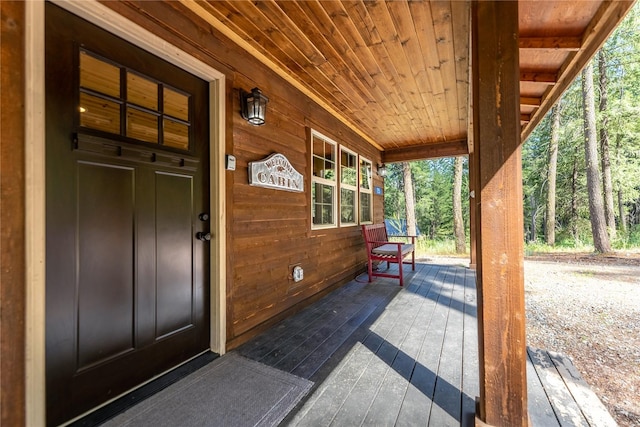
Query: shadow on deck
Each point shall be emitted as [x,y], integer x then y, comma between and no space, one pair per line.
[382,355]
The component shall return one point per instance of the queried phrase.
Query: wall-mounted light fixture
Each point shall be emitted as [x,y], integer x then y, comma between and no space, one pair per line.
[253,106]
[382,170]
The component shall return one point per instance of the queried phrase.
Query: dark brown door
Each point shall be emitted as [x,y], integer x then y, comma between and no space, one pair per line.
[127,182]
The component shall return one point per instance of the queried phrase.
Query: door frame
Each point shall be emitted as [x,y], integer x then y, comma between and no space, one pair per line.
[117,24]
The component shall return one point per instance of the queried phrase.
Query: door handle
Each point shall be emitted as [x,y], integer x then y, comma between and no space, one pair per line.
[205,237]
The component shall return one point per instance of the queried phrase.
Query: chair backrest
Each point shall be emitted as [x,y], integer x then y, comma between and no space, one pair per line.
[374,233]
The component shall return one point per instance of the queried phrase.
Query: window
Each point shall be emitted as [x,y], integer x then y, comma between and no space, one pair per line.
[366,198]
[348,187]
[341,185]
[112,95]
[323,181]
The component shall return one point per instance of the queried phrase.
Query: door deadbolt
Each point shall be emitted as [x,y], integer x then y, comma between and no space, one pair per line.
[205,237]
[204,216]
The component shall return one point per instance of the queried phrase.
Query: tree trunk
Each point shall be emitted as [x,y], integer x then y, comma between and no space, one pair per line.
[550,225]
[621,213]
[458,224]
[408,199]
[574,199]
[607,185]
[596,205]
[621,207]
[533,229]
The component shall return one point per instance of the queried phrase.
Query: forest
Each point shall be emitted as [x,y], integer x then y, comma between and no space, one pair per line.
[581,167]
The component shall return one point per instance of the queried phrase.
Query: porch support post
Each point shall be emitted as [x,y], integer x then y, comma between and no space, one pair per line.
[499,219]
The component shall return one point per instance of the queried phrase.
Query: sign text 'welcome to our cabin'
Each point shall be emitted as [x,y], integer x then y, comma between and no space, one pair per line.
[275,172]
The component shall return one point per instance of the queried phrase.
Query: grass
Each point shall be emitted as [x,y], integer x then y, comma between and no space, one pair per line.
[425,246]
[565,243]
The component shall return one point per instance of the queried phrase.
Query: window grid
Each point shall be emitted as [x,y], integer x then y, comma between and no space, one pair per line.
[323,182]
[348,187]
[341,187]
[366,193]
[117,100]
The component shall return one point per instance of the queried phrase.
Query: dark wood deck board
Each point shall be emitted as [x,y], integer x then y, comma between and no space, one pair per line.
[447,399]
[597,415]
[418,400]
[470,381]
[384,355]
[564,406]
[540,410]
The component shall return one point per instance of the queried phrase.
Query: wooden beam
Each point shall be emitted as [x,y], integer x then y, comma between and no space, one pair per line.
[12,217]
[426,151]
[499,219]
[525,117]
[538,77]
[601,26]
[551,43]
[530,101]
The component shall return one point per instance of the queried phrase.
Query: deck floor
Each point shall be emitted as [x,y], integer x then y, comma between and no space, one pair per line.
[383,355]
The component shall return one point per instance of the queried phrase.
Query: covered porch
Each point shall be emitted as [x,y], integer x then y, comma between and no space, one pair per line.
[379,354]
[489,72]
[384,355]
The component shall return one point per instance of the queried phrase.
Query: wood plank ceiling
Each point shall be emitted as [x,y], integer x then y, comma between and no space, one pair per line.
[397,72]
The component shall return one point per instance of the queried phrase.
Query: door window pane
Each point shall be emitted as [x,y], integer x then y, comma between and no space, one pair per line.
[99,75]
[142,125]
[176,134]
[99,113]
[141,91]
[176,104]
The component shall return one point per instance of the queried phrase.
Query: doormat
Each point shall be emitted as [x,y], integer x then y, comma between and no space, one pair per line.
[230,391]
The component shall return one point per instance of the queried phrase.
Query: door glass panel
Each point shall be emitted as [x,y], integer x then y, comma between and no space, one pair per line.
[176,104]
[176,134]
[141,91]
[144,104]
[99,75]
[98,113]
[142,126]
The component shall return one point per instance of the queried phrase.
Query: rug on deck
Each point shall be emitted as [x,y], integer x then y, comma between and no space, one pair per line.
[230,391]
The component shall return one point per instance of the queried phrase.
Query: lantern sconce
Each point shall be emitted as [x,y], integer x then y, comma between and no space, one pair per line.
[253,106]
[382,170]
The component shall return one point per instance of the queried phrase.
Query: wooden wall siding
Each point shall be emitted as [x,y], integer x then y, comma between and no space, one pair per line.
[269,231]
[12,219]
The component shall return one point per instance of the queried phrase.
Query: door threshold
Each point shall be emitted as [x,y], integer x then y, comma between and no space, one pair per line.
[134,397]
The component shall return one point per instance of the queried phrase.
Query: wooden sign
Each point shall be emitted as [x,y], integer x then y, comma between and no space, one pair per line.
[275,172]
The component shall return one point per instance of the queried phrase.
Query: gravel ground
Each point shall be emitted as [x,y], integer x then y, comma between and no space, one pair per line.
[588,307]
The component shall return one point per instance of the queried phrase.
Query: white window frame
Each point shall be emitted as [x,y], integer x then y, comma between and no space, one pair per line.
[349,187]
[324,181]
[363,190]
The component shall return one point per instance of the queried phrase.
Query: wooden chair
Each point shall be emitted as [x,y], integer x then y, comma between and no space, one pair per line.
[379,248]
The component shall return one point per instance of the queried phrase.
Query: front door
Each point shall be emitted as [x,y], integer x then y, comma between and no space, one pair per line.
[126,216]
